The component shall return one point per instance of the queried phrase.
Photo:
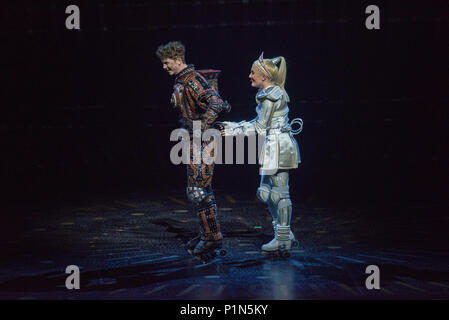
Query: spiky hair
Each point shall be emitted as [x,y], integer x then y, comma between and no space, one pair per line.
[172,50]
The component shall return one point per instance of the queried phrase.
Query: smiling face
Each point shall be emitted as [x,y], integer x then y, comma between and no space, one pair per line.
[173,66]
[257,79]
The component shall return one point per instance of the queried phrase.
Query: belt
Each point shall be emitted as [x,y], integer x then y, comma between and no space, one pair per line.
[279,113]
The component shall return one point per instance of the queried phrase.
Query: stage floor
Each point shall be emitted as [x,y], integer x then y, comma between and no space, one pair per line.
[130,247]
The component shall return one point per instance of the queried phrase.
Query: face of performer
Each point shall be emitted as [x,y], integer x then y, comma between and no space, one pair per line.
[258,80]
[173,66]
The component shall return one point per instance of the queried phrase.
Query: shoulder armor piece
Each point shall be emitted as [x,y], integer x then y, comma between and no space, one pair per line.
[272,93]
[202,81]
[261,95]
[275,93]
[197,82]
[194,85]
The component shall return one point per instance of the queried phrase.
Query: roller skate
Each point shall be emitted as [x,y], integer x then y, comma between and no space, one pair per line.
[281,244]
[294,242]
[206,251]
[191,244]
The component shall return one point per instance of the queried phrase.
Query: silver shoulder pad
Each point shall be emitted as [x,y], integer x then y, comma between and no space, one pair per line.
[261,95]
[274,93]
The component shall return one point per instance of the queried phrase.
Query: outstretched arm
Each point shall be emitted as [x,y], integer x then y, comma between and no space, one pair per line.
[259,125]
[262,123]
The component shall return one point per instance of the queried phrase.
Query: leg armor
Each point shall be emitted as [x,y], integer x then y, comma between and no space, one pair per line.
[209,226]
[263,192]
[282,205]
[196,195]
[205,205]
[280,197]
[199,191]
[281,200]
[264,195]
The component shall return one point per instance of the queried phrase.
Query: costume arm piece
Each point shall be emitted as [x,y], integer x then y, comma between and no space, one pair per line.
[228,128]
[214,106]
[263,122]
[259,125]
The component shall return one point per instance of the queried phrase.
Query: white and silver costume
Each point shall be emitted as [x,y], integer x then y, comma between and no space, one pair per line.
[280,152]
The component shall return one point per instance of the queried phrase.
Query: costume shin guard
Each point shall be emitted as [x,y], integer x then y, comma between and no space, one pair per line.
[209,225]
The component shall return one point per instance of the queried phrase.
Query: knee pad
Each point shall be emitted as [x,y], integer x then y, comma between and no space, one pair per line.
[279,193]
[263,193]
[195,194]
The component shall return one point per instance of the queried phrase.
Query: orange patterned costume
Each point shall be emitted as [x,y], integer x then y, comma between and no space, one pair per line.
[197,99]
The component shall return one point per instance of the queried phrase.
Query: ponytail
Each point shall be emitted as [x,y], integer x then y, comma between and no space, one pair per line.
[281,75]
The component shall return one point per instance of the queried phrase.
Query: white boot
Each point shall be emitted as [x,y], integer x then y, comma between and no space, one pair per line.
[270,245]
[283,238]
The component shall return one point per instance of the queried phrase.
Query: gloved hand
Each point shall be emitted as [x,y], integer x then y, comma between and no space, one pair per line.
[232,128]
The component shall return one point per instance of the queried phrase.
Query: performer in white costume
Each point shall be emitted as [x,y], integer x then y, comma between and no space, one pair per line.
[280,151]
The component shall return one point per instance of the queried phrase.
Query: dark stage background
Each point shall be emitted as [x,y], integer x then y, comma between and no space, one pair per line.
[87,112]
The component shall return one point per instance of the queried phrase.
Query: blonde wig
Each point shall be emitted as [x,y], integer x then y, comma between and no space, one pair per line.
[275,70]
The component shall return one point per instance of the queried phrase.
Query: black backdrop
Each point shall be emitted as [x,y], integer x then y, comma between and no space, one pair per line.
[87,112]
